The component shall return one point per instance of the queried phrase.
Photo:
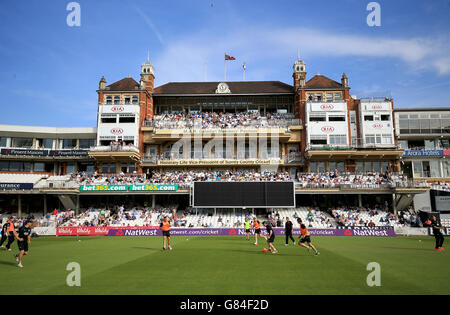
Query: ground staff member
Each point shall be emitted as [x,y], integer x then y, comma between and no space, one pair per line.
[288,228]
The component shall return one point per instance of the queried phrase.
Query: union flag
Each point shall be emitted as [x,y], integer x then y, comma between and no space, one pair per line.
[229,57]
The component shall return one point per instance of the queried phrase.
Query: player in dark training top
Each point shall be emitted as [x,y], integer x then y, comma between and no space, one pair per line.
[270,237]
[23,236]
[4,234]
[437,227]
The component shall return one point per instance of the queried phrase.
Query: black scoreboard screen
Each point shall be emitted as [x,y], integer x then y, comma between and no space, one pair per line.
[243,194]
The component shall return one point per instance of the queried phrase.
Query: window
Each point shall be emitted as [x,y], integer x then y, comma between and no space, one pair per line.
[329,97]
[108,100]
[3,141]
[359,167]
[87,143]
[338,139]
[116,100]
[21,142]
[368,118]
[370,139]
[385,117]
[135,99]
[4,166]
[127,100]
[336,118]
[317,141]
[317,118]
[403,144]
[47,143]
[69,143]
[70,168]
[337,96]
[39,167]
[126,119]
[109,120]
[386,139]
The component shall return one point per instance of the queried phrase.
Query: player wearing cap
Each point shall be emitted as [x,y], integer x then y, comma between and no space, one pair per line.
[165,228]
[23,236]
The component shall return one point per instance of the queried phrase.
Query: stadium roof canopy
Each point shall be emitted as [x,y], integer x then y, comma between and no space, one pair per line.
[236,88]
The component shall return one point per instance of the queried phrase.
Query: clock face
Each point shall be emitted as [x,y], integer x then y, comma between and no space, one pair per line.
[223,88]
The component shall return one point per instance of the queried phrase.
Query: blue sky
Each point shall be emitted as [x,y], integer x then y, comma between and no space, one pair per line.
[49,71]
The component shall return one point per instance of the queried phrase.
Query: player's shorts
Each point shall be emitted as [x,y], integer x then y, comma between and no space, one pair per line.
[271,239]
[257,231]
[166,233]
[23,245]
[306,239]
[247,231]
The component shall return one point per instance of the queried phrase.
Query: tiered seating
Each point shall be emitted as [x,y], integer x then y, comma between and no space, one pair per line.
[312,217]
[362,217]
[225,219]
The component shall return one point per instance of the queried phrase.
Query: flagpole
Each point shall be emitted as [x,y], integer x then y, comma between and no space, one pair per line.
[224,68]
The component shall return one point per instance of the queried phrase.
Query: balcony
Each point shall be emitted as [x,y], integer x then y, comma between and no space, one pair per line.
[125,153]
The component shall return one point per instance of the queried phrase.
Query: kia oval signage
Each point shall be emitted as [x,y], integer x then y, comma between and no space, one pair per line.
[117,131]
[326,106]
[117,109]
[327,129]
[377,126]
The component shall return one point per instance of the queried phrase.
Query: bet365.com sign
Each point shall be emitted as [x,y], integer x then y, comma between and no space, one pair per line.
[129,187]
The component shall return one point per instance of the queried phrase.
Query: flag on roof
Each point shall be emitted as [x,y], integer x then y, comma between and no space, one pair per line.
[229,57]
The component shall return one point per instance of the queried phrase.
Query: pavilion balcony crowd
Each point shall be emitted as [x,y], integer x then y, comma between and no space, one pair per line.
[217,121]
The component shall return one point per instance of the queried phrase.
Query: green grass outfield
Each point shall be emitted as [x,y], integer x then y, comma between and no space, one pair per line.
[226,265]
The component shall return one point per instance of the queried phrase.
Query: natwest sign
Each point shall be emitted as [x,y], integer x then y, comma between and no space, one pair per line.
[327,129]
[116,131]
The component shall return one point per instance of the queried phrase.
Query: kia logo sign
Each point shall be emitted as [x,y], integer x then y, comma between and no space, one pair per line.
[377,107]
[326,106]
[117,109]
[327,129]
[117,131]
[377,126]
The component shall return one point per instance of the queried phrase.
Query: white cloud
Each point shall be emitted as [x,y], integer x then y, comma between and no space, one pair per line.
[149,22]
[184,58]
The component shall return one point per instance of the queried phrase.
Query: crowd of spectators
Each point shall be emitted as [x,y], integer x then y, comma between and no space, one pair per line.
[361,216]
[208,120]
[334,179]
[167,177]
[119,216]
